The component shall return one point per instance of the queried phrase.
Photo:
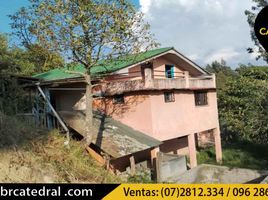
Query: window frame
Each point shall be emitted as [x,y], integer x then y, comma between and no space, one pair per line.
[201,101]
[169,99]
[119,99]
[171,71]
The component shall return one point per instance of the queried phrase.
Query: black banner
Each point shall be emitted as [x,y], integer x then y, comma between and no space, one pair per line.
[55,191]
[261,27]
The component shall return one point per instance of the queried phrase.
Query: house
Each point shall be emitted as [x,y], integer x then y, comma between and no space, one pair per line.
[161,99]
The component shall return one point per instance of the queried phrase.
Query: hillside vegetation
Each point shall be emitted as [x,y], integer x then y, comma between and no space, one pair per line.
[32,155]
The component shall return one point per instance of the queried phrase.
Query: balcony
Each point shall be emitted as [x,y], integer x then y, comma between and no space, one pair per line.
[186,82]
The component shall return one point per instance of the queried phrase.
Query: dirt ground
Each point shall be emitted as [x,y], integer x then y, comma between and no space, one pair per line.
[14,168]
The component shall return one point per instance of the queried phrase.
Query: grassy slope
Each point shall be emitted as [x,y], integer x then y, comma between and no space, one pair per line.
[31,155]
[243,155]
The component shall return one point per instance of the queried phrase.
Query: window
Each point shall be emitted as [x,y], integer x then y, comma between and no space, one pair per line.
[118,99]
[169,97]
[201,98]
[169,70]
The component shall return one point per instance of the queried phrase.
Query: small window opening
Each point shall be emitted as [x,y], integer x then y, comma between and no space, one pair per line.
[119,99]
[169,71]
[201,98]
[169,97]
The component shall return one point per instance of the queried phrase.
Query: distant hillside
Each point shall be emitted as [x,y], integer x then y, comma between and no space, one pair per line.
[32,155]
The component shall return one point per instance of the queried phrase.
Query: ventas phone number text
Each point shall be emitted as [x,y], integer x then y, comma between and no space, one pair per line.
[213,192]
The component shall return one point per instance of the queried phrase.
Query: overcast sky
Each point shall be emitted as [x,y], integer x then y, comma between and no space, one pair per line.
[203,30]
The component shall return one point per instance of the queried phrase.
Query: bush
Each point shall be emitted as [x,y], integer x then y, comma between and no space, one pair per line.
[243,108]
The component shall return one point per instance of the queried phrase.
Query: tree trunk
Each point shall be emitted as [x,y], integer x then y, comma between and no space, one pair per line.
[89,111]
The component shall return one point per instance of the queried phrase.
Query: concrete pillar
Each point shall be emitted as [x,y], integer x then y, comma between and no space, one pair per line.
[187,81]
[154,154]
[214,80]
[218,149]
[148,75]
[132,165]
[192,150]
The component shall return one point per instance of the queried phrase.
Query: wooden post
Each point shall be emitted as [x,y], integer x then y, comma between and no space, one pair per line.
[132,165]
[192,150]
[56,114]
[47,110]
[153,161]
[218,149]
[100,160]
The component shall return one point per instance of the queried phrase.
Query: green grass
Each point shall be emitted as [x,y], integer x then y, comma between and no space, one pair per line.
[240,154]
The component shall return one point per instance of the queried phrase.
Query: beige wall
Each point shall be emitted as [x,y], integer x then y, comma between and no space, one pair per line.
[175,146]
[69,100]
[158,65]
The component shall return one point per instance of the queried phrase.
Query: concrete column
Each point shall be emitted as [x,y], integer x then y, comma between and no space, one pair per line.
[132,165]
[192,150]
[214,80]
[148,75]
[186,76]
[154,154]
[218,149]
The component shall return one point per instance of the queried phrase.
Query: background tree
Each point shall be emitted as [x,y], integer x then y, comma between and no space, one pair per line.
[21,61]
[43,59]
[243,105]
[5,54]
[88,31]
[242,101]
[222,71]
[13,60]
[255,72]
[251,16]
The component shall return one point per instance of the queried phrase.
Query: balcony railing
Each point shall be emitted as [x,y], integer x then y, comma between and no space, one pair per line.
[118,87]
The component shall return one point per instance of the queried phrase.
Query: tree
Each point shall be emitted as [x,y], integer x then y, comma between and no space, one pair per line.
[90,32]
[5,62]
[251,16]
[12,59]
[222,71]
[15,60]
[256,72]
[243,105]
[43,59]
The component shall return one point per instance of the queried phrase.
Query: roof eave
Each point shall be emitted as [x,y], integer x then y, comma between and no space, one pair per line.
[172,50]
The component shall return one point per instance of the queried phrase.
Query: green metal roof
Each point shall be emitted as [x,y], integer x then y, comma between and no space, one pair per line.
[111,66]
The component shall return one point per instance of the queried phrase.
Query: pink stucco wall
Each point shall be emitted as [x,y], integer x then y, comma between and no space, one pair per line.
[149,113]
[182,117]
[135,112]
